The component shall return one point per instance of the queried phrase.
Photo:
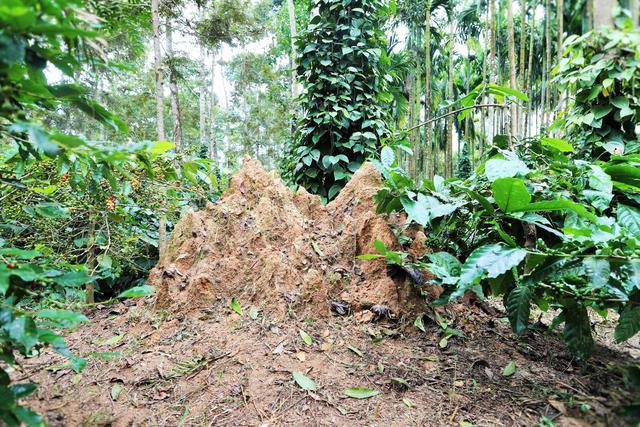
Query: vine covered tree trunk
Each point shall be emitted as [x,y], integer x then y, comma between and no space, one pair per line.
[547,68]
[173,90]
[157,68]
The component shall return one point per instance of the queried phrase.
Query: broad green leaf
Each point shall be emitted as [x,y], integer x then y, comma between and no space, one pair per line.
[558,205]
[138,292]
[518,307]
[51,210]
[23,331]
[73,279]
[557,143]
[387,156]
[304,382]
[628,323]
[510,194]
[598,271]
[235,306]
[361,392]
[66,318]
[160,147]
[502,168]
[629,218]
[419,323]
[577,330]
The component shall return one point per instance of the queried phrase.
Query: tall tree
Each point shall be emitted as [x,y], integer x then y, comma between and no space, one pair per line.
[448,150]
[431,161]
[213,143]
[202,96]
[157,68]
[293,34]
[512,70]
[173,90]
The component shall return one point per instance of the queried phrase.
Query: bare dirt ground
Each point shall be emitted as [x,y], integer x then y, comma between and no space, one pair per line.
[304,303]
[214,367]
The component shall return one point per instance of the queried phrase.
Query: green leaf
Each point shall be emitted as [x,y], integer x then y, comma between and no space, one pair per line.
[558,144]
[235,306]
[66,318]
[73,279]
[501,168]
[361,392]
[509,370]
[306,338]
[518,307]
[628,323]
[24,332]
[304,382]
[629,218]
[138,292]
[387,156]
[577,330]
[160,147]
[419,323]
[510,194]
[51,210]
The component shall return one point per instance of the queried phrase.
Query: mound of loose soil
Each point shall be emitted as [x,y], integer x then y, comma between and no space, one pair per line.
[264,244]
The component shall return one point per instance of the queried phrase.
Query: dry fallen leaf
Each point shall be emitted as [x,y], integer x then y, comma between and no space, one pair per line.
[301,356]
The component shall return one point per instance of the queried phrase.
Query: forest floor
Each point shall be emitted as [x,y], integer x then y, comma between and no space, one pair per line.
[214,367]
[239,281]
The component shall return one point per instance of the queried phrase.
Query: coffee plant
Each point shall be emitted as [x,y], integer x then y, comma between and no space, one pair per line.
[554,222]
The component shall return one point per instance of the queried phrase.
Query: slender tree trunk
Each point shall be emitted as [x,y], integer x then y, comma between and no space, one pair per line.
[292,59]
[635,11]
[91,256]
[429,161]
[547,70]
[173,89]
[449,147]
[213,146]
[202,98]
[492,63]
[589,15]
[512,72]
[559,50]
[529,71]
[523,43]
[603,13]
[157,68]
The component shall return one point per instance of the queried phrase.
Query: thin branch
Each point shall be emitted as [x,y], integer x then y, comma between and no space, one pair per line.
[435,119]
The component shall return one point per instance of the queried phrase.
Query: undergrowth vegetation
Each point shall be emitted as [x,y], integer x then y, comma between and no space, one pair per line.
[545,221]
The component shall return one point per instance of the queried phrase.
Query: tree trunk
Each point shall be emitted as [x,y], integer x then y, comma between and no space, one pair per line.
[512,72]
[530,70]
[633,5]
[157,68]
[603,13]
[91,257]
[547,68]
[429,163]
[560,20]
[449,148]
[292,59]
[213,147]
[173,89]
[202,98]
[523,42]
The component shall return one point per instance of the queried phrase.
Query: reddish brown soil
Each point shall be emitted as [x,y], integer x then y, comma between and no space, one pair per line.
[213,367]
[186,358]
